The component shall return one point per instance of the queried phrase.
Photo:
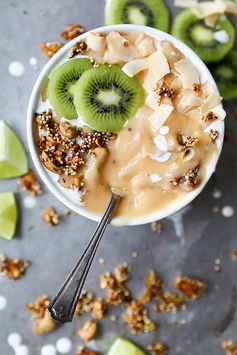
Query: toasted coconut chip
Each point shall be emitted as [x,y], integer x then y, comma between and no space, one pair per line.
[132,37]
[184,3]
[220,112]
[135,66]
[231,7]
[191,98]
[161,114]
[177,84]
[146,47]
[188,72]
[194,114]
[158,65]
[150,83]
[172,54]
[120,48]
[212,101]
[211,20]
[207,89]
[151,100]
[208,8]
[96,42]
[215,126]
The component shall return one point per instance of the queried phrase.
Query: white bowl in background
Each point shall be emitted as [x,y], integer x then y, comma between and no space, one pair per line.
[50,178]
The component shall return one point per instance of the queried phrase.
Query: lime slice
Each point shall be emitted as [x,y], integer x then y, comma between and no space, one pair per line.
[13,160]
[122,346]
[8,215]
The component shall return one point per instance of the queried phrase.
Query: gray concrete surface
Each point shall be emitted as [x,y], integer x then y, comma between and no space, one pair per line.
[206,236]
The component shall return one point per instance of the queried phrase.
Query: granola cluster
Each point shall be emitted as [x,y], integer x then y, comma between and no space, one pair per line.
[191,288]
[188,181]
[72,31]
[158,348]
[137,319]
[66,148]
[85,351]
[42,322]
[50,48]
[14,268]
[163,92]
[210,116]
[30,183]
[229,346]
[50,216]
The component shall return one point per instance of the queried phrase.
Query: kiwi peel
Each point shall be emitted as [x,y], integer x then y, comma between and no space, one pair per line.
[201,38]
[152,13]
[225,74]
[61,82]
[107,98]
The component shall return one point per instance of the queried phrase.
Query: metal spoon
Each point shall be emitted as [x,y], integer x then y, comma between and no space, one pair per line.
[63,306]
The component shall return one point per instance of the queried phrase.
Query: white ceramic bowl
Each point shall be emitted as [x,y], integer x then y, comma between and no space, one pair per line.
[50,178]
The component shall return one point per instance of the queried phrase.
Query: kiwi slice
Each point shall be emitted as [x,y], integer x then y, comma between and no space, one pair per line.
[202,38]
[61,84]
[225,74]
[153,13]
[106,97]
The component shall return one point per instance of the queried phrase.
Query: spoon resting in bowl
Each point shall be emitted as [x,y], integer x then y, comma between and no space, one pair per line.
[63,306]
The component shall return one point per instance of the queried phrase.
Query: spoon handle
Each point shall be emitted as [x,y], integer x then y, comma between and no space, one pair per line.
[63,306]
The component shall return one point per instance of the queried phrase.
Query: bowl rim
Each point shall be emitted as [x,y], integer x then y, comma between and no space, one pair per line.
[44,174]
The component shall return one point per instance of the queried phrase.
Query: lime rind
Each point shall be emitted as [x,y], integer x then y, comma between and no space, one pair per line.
[13,159]
[8,215]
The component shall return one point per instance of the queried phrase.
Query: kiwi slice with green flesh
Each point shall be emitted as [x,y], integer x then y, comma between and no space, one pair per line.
[201,38]
[153,13]
[225,74]
[61,83]
[107,98]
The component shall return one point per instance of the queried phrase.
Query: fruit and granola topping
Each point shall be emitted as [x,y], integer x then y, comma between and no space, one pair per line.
[128,114]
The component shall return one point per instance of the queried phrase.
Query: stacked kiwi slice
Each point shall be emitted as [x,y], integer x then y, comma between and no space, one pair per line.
[152,13]
[105,96]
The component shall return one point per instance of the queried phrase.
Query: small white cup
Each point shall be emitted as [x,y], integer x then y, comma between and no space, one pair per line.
[50,178]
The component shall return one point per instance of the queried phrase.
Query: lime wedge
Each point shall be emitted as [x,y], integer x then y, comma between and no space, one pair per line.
[8,215]
[122,346]
[13,160]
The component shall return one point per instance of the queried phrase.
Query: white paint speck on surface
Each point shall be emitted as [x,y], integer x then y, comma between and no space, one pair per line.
[221,36]
[217,193]
[64,345]
[16,68]
[29,202]
[14,340]
[164,130]
[155,177]
[3,302]
[48,349]
[227,211]
[22,350]
[33,61]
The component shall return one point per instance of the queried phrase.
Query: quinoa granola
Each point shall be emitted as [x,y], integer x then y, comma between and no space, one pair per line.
[14,268]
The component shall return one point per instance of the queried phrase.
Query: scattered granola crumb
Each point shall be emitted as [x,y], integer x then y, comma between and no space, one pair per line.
[217,265]
[229,346]
[153,288]
[85,351]
[137,319]
[215,209]
[50,216]
[72,31]
[14,268]
[88,330]
[107,281]
[210,116]
[121,272]
[169,302]
[213,135]
[30,183]
[113,318]
[197,88]
[50,48]
[156,227]
[99,307]
[134,254]
[191,288]
[42,323]
[85,303]
[179,321]
[158,348]
[233,255]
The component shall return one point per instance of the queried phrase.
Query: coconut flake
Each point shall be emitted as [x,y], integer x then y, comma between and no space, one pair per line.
[207,89]
[146,47]
[194,114]
[135,66]
[188,73]
[191,98]
[210,103]
[231,7]
[159,117]
[151,100]
[96,42]
[221,36]
[211,20]
[184,3]
[158,65]
[208,8]
[119,48]
[220,112]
